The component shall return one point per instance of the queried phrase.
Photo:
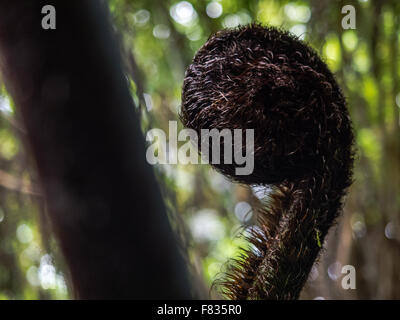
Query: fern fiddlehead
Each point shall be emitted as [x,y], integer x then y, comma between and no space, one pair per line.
[262,78]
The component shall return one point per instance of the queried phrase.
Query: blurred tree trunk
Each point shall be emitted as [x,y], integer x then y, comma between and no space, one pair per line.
[103,200]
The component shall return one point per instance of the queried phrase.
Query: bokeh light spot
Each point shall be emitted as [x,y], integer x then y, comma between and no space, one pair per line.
[5,105]
[206,226]
[24,233]
[183,13]
[299,30]
[334,270]
[299,13]
[390,231]
[161,31]
[141,17]
[243,211]
[214,10]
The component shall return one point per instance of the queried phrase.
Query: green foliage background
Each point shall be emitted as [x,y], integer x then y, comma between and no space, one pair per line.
[158,40]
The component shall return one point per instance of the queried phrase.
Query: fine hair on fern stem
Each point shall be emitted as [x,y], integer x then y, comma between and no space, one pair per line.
[263,78]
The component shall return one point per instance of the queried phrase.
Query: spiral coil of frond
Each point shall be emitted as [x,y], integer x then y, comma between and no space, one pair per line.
[262,78]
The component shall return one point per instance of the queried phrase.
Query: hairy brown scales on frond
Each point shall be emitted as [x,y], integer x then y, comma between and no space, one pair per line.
[265,79]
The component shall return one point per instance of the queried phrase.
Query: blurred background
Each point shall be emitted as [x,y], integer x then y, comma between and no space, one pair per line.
[158,40]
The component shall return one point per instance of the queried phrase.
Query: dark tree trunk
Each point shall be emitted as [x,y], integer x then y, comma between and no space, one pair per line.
[103,200]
